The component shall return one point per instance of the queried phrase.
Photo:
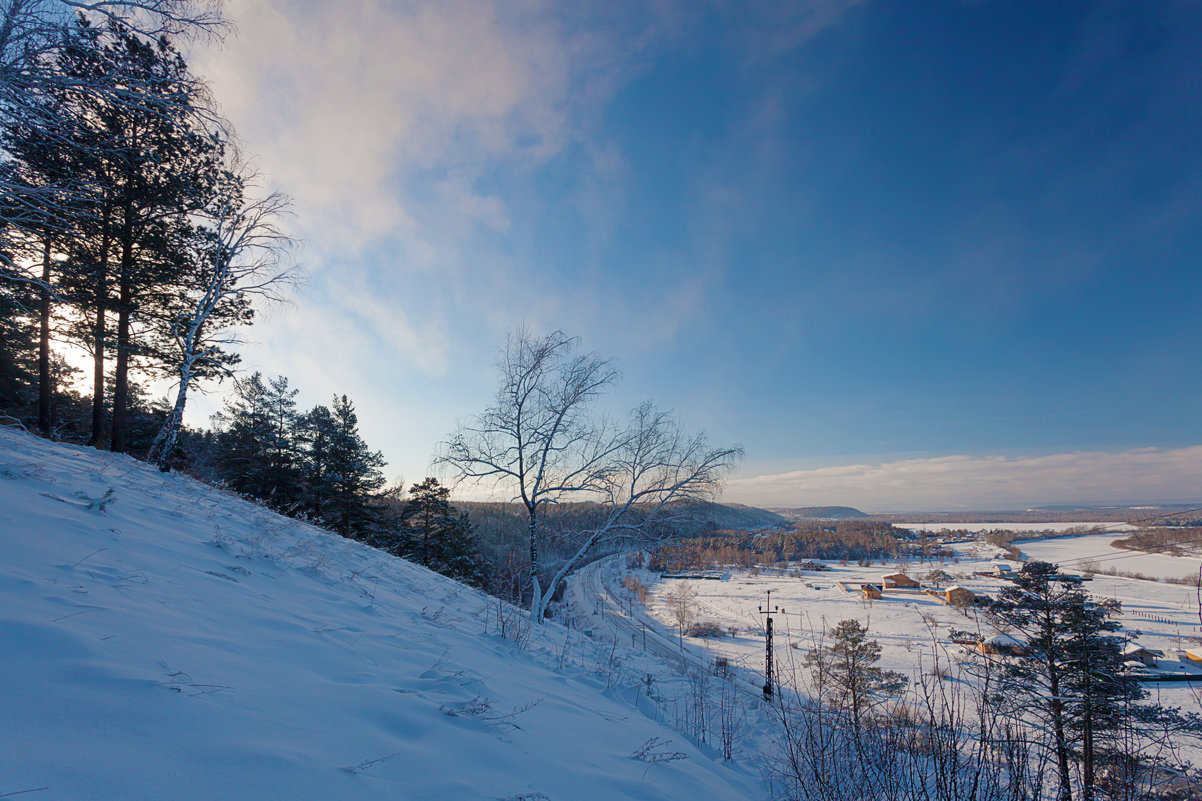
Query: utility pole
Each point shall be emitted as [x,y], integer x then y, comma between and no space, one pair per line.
[769,673]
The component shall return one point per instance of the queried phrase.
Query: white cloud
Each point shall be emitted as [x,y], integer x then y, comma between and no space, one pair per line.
[341,100]
[984,482]
[383,120]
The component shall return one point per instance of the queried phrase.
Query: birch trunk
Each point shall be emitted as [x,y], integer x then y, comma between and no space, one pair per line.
[163,447]
[536,602]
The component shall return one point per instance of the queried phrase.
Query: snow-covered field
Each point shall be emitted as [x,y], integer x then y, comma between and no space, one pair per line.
[912,627]
[909,625]
[163,640]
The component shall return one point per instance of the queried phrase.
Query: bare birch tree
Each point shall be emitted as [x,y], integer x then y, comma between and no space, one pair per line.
[542,440]
[243,259]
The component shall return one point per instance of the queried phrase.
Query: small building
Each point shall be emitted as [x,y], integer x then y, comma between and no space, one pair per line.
[1002,645]
[1134,652]
[1000,569]
[957,596]
[900,581]
[870,592]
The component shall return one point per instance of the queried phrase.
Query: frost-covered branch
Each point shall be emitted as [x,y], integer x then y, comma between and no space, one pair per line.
[243,259]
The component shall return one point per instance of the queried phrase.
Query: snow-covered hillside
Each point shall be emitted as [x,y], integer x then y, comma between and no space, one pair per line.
[160,639]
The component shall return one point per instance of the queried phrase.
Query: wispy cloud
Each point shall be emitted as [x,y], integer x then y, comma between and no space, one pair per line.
[769,29]
[342,100]
[390,124]
[985,482]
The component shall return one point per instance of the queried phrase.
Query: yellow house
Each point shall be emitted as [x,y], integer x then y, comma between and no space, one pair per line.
[958,596]
[1002,644]
[900,581]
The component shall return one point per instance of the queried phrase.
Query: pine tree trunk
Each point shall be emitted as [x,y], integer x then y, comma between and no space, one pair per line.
[1061,744]
[426,537]
[1087,733]
[98,334]
[117,441]
[44,388]
[98,373]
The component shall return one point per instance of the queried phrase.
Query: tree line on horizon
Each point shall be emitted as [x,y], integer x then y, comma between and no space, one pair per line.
[844,540]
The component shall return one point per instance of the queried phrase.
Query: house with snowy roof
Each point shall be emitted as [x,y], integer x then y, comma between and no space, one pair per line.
[1002,645]
[1134,652]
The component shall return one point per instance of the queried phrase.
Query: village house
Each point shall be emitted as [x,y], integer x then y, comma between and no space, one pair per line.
[957,596]
[1134,652]
[900,581]
[871,592]
[1002,645]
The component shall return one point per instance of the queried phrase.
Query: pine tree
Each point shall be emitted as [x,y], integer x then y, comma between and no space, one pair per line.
[39,161]
[846,674]
[281,446]
[316,433]
[240,449]
[162,166]
[354,472]
[17,346]
[435,534]
[1071,680]
[258,454]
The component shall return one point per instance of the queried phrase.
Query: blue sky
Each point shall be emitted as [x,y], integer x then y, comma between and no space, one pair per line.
[878,235]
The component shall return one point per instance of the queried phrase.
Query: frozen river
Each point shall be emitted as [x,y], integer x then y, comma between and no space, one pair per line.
[1095,551]
[1033,527]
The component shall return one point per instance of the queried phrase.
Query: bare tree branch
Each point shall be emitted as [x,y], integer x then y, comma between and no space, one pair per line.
[244,259]
[542,440]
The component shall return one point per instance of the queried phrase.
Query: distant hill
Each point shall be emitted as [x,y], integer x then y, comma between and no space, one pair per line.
[746,518]
[817,512]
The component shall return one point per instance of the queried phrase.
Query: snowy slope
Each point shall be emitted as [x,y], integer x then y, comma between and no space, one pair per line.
[180,643]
